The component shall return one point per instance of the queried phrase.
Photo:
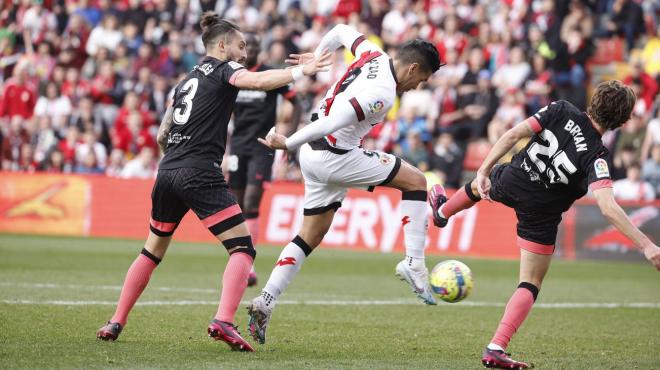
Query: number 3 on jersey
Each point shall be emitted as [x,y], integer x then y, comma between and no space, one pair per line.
[189,89]
[558,159]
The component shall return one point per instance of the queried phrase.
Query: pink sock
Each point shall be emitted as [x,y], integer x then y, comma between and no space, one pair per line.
[234,282]
[253,227]
[137,278]
[456,203]
[516,311]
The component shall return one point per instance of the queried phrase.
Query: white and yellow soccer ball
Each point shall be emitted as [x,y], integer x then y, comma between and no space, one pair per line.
[451,281]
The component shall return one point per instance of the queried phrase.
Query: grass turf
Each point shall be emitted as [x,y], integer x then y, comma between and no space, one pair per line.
[396,336]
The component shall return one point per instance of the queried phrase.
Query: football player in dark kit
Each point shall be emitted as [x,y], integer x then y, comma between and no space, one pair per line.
[564,157]
[250,166]
[193,134]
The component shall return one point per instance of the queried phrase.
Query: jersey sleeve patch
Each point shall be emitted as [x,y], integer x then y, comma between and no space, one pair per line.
[235,65]
[601,170]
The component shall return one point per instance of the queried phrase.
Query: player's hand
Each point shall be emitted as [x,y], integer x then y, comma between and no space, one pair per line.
[274,140]
[320,64]
[483,185]
[652,253]
[299,59]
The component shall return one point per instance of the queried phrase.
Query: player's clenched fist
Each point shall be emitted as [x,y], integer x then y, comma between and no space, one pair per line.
[274,140]
[652,253]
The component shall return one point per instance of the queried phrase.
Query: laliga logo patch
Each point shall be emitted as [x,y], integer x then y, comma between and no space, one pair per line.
[601,168]
[376,107]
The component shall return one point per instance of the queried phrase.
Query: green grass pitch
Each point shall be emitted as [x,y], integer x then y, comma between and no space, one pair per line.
[55,293]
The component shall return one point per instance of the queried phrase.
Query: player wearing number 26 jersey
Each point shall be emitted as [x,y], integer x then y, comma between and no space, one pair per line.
[563,159]
[193,135]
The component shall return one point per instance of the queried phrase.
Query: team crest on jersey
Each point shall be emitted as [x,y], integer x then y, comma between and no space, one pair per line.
[385,160]
[376,107]
[235,65]
[601,168]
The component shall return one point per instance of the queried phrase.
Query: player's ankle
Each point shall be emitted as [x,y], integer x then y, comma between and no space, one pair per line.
[416,263]
[269,298]
[495,347]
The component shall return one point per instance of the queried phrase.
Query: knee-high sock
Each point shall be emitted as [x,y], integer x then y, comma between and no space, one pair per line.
[462,199]
[252,224]
[137,278]
[234,282]
[287,266]
[516,311]
[415,222]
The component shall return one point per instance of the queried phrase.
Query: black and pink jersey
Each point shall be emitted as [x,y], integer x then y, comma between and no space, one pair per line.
[203,104]
[564,159]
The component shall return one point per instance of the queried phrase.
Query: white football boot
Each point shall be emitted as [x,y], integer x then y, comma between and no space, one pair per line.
[418,281]
[259,317]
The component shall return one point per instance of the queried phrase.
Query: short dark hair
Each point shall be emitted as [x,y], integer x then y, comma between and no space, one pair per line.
[419,51]
[611,104]
[214,27]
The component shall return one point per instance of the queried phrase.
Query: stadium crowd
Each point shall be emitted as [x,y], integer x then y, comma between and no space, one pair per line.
[85,82]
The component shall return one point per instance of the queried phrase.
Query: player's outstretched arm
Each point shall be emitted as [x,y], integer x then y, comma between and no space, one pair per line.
[342,115]
[503,145]
[274,78]
[617,217]
[340,35]
[164,129]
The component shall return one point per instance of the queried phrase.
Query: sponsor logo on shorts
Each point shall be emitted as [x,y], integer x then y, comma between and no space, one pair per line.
[601,169]
[405,220]
[376,106]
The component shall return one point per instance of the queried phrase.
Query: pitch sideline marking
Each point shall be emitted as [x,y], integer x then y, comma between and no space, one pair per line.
[331,303]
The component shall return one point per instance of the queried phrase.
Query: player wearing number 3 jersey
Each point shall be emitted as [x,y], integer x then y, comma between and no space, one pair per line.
[565,156]
[332,161]
[193,135]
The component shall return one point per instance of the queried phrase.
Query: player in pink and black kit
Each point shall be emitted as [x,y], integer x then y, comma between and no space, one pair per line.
[564,157]
[193,135]
[250,166]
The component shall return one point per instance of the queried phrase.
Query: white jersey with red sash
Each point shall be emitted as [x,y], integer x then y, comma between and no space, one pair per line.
[369,85]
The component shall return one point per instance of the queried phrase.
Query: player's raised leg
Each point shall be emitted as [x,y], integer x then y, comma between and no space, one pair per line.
[289,263]
[414,220]
[533,267]
[444,208]
[137,278]
[251,201]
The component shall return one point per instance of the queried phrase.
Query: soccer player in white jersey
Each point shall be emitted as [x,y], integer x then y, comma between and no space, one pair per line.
[332,160]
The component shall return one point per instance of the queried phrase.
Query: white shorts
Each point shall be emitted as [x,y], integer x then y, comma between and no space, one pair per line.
[328,175]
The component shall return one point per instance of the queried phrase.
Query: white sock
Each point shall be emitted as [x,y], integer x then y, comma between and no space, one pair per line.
[416,264]
[495,347]
[415,222]
[287,266]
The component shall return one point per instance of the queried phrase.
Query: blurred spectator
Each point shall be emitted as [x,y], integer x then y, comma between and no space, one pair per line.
[512,75]
[627,20]
[143,166]
[88,165]
[53,103]
[632,134]
[479,103]
[18,95]
[651,170]
[446,160]
[68,146]
[510,112]
[115,164]
[648,86]
[652,135]
[132,138]
[245,15]
[414,151]
[55,163]
[408,122]
[37,21]
[633,188]
[89,143]
[12,143]
[105,35]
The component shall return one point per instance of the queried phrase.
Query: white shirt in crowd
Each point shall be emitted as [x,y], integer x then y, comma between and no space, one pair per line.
[625,189]
[136,169]
[102,38]
[101,154]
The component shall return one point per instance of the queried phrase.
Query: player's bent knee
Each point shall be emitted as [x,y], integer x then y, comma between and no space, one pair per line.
[242,244]
[472,191]
[533,288]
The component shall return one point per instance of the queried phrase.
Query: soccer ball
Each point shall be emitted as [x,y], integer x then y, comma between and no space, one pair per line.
[451,281]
